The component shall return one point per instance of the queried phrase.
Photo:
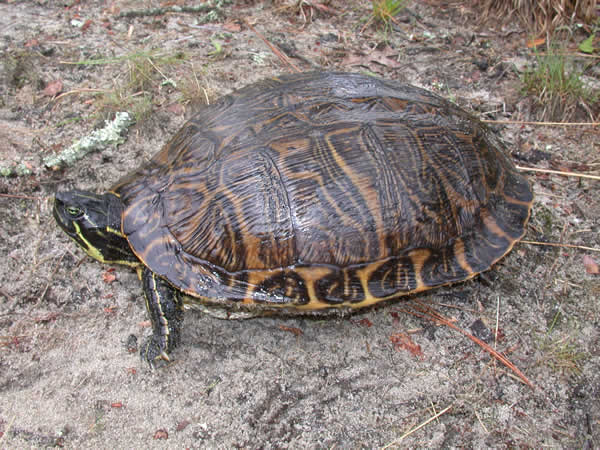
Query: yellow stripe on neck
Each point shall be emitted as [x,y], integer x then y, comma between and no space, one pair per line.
[95,253]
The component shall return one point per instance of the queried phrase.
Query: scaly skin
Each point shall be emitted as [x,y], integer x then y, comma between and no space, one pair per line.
[93,222]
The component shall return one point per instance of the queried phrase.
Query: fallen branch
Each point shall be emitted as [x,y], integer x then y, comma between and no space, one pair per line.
[418,427]
[558,244]
[547,124]
[274,49]
[203,8]
[110,135]
[559,172]
[428,313]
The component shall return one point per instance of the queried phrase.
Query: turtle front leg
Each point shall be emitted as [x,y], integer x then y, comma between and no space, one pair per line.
[165,308]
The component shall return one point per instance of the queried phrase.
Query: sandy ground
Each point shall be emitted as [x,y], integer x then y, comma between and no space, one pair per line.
[66,375]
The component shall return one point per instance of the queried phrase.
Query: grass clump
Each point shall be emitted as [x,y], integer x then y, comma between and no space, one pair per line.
[139,85]
[561,355]
[194,89]
[118,99]
[557,87]
[558,352]
[384,12]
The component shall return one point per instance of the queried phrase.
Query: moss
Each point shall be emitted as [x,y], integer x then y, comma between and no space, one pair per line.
[544,218]
[110,135]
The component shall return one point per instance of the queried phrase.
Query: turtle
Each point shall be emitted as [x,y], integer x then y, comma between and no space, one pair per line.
[306,192]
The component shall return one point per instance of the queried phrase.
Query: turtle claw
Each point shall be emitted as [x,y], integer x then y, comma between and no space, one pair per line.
[153,350]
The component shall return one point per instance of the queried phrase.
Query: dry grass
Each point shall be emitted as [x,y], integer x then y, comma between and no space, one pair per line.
[543,16]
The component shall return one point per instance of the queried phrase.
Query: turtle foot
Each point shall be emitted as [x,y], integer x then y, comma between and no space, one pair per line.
[154,349]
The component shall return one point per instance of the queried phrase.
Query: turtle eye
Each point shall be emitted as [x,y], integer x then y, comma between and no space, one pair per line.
[74,211]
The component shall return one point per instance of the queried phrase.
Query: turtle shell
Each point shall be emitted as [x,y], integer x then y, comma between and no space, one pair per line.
[317,190]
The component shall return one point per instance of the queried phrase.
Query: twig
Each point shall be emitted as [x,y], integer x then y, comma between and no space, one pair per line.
[497,322]
[461,308]
[557,244]
[274,49]
[428,313]
[559,172]
[418,427]
[52,275]
[551,124]
[7,295]
[27,197]
[169,9]
[78,91]
[480,422]
[10,424]
[578,54]
[110,135]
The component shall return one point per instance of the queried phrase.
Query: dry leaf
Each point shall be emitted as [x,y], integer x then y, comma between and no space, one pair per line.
[109,276]
[403,341]
[233,27]
[354,59]
[374,59]
[591,266]
[364,323]
[53,88]
[387,57]
[46,318]
[293,330]
[324,8]
[86,25]
[176,108]
[536,42]
[182,425]
[161,434]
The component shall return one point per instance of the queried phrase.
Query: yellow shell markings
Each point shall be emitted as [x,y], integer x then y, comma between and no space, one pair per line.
[328,178]
[459,251]
[363,183]
[491,224]
[187,227]
[315,303]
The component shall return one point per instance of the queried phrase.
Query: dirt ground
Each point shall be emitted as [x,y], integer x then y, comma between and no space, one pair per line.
[66,375]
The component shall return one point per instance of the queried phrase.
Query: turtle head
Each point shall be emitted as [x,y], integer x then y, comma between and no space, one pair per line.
[93,221]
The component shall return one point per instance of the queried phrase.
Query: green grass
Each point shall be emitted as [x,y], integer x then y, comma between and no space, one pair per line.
[121,99]
[556,86]
[383,13]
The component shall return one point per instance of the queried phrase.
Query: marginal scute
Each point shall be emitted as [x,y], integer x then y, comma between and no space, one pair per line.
[283,287]
[393,276]
[444,266]
[340,286]
[321,190]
